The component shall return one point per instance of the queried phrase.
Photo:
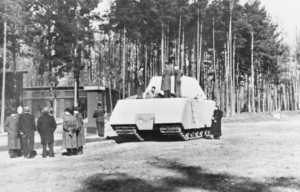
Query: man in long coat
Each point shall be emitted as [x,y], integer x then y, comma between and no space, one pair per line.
[80,131]
[46,126]
[177,78]
[26,126]
[216,123]
[140,81]
[166,80]
[99,115]
[14,140]
[70,127]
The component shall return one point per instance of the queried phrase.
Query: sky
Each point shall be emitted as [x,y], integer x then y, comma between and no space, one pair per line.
[286,14]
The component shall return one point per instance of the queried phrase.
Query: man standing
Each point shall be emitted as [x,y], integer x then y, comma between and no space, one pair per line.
[46,126]
[177,79]
[99,115]
[14,140]
[80,131]
[152,93]
[26,126]
[70,126]
[140,86]
[166,80]
[216,123]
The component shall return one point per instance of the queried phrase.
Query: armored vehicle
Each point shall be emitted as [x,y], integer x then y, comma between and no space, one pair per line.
[188,117]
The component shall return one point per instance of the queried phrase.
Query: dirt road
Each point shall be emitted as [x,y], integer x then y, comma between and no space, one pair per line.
[249,157]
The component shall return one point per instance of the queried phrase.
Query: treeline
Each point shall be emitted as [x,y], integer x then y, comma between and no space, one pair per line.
[234,51]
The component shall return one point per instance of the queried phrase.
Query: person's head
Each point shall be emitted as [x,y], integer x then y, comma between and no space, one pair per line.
[68,111]
[176,67]
[216,107]
[99,104]
[76,110]
[20,110]
[153,89]
[45,110]
[26,109]
[141,68]
[13,112]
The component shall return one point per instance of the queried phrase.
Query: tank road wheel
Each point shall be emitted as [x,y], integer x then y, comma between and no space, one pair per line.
[199,134]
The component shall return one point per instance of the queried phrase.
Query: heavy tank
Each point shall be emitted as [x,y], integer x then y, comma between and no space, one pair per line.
[188,117]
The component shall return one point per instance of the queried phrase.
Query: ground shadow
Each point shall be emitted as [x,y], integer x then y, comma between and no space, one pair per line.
[190,177]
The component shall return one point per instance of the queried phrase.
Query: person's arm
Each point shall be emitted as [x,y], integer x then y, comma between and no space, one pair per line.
[53,124]
[65,128]
[39,125]
[95,115]
[33,123]
[6,126]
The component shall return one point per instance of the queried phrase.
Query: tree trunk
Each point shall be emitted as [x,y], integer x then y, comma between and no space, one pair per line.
[3,74]
[252,73]
[179,64]
[124,62]
[162,47]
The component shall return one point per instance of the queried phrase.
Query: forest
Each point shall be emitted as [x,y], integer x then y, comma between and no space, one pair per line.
[235,51]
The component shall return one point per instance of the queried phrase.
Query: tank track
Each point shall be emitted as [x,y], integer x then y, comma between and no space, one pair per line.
[128,131]
[185,135]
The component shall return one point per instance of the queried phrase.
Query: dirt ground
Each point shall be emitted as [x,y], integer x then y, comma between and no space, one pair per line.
[249,157]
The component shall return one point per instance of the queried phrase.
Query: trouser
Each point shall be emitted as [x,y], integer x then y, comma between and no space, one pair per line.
[80,149]
[167,93]
[100,128]
[13,153]
[50,146]
[72,151]
[28,143]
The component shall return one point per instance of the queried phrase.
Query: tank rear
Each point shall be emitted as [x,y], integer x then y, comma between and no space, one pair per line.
[181,117]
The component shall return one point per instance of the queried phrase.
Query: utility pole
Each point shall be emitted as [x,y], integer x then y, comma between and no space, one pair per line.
[3,72]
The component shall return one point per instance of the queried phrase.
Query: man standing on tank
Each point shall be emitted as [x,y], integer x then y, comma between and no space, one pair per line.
[26,126]
[177,79]
[99,115]
[140,81]
[166,79]
[216,123]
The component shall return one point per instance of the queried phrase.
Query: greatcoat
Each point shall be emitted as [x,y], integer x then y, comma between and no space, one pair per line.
[140,86]
[70,126]
[80,132]
[46,126]
[14,140]
[216,123]
[177,75]
[166,78]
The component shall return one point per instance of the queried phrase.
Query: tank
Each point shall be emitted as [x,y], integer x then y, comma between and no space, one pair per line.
[185,118]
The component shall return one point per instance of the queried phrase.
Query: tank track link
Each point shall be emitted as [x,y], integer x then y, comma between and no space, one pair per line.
[128,131]
[185,135]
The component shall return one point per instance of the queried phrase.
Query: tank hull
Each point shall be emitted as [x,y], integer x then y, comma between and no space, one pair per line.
[183,117]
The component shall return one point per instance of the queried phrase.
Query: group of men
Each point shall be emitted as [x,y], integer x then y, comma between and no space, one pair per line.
[165,84]
[20,128]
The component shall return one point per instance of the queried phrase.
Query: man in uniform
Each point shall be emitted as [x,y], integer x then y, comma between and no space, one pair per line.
[46,126]
[177,79]
[216,123]
[80,131]
[152,93]
[26,126]
[166,80]
[99,115]
[14,140]
[140,81]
